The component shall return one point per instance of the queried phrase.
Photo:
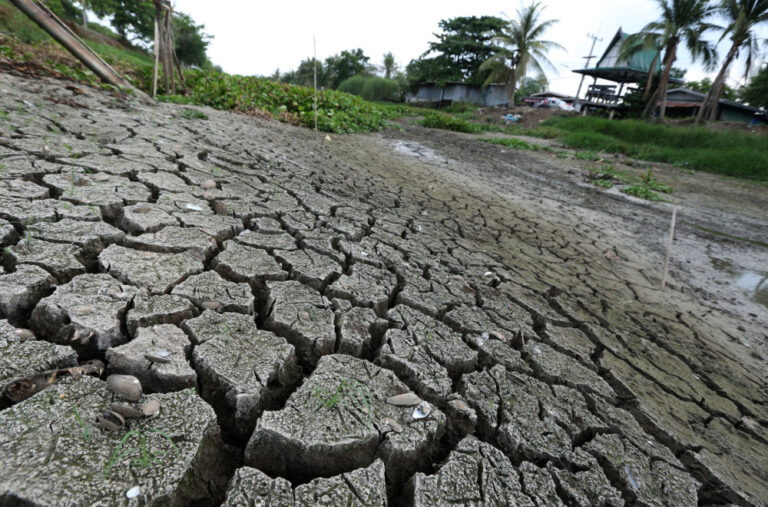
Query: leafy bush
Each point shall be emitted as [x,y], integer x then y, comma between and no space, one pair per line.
[336,111]
[379,88]
[445,122]
[353,85]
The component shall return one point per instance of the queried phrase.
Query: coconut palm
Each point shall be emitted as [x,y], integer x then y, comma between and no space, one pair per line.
[742,16]
[681,22]
[520,47]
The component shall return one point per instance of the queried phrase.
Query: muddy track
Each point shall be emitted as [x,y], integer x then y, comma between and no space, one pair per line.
[278,292]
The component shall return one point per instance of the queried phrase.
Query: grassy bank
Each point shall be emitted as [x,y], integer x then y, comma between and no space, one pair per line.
[731,153]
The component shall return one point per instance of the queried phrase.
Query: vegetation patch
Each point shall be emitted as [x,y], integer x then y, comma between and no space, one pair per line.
[732,153]
[447,122]
[336,111]
[511,142]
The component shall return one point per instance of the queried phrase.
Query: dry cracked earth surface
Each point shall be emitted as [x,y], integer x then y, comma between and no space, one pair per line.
[405,318]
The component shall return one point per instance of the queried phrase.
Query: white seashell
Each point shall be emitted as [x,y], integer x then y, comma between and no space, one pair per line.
[133,492]
[404,400]
[193,207]
[150,408]
[422,410]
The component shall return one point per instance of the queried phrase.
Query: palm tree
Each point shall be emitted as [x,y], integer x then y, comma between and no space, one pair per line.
[389,65]
[742,16]
[520,46]
[681,21]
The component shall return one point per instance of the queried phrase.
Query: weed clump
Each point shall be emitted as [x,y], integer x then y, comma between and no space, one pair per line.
[446,122]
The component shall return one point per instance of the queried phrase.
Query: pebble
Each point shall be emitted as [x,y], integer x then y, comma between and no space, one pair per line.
[208,184]
[459,405]
[220,208]
[133,492]
[211,305]
[193,207]
[24,334]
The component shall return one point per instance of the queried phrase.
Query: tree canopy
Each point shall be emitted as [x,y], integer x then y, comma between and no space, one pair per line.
[756,91]
[462,46]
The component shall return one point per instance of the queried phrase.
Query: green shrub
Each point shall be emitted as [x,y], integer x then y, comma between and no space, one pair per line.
[353,85]
[379,88]
[445,122]
[336,111]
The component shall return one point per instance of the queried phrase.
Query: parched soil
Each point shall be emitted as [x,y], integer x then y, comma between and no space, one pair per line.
[412,317]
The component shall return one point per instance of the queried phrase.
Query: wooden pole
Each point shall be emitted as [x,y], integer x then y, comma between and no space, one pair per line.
[314,49]
[157,58]
[49,22]
[669,246]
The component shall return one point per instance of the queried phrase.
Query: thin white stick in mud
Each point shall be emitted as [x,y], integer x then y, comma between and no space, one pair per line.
[669,246]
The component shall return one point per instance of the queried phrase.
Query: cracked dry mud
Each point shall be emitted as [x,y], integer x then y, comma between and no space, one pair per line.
[293,286]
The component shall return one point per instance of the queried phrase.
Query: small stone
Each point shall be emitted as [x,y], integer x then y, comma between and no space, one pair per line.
[82,310]
[404,400]
[126,386]
[211,305]
[194,207]
[208,184]
[459,405]
[220,208]
[133,492]
[24,334]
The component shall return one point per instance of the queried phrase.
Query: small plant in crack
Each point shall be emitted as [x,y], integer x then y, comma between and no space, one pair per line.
[86,436]
[350,393]
[145,456]
[28,229]
[228,335]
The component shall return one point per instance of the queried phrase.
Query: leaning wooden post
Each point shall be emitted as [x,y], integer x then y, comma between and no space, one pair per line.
[669,246]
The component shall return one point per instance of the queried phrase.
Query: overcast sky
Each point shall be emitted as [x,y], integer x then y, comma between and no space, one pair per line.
[257,37]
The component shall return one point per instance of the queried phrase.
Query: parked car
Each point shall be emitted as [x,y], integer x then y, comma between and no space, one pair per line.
[555,103]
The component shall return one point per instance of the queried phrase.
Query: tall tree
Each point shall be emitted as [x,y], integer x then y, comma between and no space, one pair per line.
[460,49]
[520,46]
[681,21]
[390,67]
[189,40]
[345,65]
[742,16]
[756,91]
[128,17]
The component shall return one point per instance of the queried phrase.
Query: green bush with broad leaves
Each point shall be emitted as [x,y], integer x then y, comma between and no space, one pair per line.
[336,111]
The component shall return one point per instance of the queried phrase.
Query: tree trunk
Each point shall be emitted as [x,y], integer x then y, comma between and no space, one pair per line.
[711,102]
[512,85]
[85,13]
[651,104]
[651,72]
[671,57]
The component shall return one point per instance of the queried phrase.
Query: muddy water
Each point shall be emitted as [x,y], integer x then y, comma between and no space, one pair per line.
[752,283]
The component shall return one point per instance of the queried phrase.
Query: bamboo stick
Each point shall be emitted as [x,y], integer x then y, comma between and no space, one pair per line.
[669,247]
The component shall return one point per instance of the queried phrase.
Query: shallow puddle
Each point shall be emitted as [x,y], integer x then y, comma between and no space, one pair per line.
[752,283]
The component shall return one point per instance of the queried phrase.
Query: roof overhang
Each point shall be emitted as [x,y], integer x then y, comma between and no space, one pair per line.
[619,74]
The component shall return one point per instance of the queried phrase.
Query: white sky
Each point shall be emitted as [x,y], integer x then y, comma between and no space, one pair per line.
[257,37]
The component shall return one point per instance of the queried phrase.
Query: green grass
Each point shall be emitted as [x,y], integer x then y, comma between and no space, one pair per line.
[146,457]
[511,142]
[193,114]
[113,54]
[448,122]
[731,153]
